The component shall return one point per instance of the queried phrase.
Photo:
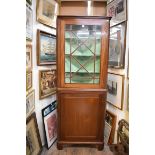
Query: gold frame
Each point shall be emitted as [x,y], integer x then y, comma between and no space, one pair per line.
[27,74]
[32,92]
[32,135]
[53,91]
[42,18]
[29,45]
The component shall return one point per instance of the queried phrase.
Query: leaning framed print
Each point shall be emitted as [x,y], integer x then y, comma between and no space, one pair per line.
[49,115]
[117,46]
[30,102]
[47,11]
[110,126]
[29,22]
[28,80]
[46,48]
[28,56]
[117,9]
[33,141]
[115,90]
[47,83]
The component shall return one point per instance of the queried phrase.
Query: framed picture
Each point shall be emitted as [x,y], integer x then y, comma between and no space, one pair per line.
[28,80]
[33,141]
[110,126]
[29,1]
[30,103]
[29,22]
[117,46]
[49,114]
[47,83]
[117,9]
[28,56]
[47,11]
[115,87]
[46,48]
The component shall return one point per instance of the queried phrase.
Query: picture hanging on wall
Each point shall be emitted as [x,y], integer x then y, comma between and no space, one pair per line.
[49,115]
[33,141]
[115,87]
[117,46]
[46,48]
[29,22]
[110,125]
[30,102]
[47,11]
[47,83]
[28,80]
[117,9]
[28,56]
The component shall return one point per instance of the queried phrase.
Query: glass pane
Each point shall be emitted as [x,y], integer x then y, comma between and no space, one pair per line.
[82,53]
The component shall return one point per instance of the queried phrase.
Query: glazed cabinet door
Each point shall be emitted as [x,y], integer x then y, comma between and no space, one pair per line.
[82,53]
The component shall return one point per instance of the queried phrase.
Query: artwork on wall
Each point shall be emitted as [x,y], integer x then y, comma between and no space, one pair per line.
[30,103]
[47,83]
[28,80]
[117,9]
[117,46]
[33,141]
[46,48]
[47,11]
[28,56]
[29,22]
[110,125]
[115,87]
[49,114]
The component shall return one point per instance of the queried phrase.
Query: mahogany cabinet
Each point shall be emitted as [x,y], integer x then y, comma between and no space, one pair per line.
[82,61]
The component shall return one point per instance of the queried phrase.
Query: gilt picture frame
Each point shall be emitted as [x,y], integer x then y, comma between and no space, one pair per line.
[46,48]
[28,80]
[47,83]
[28,56]
[30,102]
[47,11]
[117,46]
[33,141]
[29,22]
[115,90]
[117,9]
[49,115]
[110,126]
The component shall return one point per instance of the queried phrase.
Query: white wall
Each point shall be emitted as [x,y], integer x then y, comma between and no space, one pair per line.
[39,104]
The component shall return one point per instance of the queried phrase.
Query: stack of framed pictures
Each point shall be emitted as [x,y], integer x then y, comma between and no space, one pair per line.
[49,115]
[33,141]
[110,125]
[117,9]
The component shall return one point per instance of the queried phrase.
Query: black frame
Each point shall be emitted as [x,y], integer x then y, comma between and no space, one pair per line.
[51,107]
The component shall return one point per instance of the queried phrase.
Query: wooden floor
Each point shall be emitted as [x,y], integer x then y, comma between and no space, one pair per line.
[76,151]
